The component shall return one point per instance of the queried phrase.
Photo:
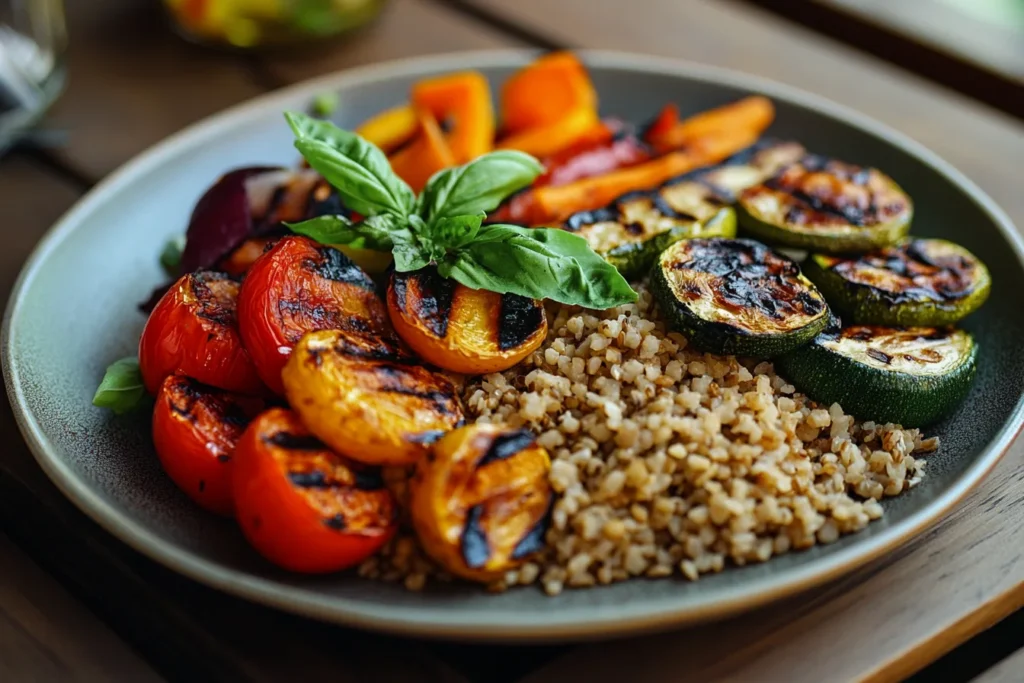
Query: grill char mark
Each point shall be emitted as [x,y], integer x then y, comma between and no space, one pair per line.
[504,446]
[214,302]
[433,298]
[518,320]
[335,266]
[476,549]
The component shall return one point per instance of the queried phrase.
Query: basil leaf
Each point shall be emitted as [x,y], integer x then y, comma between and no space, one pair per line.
[455,231]
[409,257]
[170,255]
[477,187]
[374,232]
[541,263]
[358,170]
[121,389]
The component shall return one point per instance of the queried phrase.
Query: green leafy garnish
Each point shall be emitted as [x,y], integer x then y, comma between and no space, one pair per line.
[325,103]
[121,389]
[444,227]
[170,256]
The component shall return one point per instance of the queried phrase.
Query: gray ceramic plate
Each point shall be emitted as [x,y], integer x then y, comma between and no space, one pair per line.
[73,311]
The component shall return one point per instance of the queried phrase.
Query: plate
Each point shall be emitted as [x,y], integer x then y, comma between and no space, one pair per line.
[73,311]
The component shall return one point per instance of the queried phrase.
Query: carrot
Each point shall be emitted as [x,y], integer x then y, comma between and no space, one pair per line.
[545,92]
[391,128]
[427,154]
[548,139]
[462,100]
[752,114]
[553,204]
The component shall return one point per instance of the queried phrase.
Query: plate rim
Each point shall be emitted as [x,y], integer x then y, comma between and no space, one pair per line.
[501,625]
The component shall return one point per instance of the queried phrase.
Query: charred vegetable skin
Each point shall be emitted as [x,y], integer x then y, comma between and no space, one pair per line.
[195,429]
[911,376]
[480,500]
[303,507]
[927,282]
[633,230]
[367,398]
[471,331]
[737,297]
[826,206]
[193,330]
[299,286]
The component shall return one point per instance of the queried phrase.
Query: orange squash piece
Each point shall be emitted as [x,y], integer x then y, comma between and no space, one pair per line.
[427,154]
[548,139]
[463,102]
[546,91]
[391,128]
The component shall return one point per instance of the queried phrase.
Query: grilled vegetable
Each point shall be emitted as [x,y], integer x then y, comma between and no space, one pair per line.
[827,206]
[911,376]
[193,330]
[425,156]
[391,128]
[753,113]
[546,92]
[463,102]
[471,331]
[634,229]
[607,147]
[919,282]
[238,262]
[367,398]
[195,429]
[737,297]
[553,137]
[480,500]
[297,287]
[302,506]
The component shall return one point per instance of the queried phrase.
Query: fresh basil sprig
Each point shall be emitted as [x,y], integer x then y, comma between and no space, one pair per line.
[121,389]
[444,227]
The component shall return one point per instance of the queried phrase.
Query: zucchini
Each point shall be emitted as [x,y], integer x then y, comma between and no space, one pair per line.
[920,282]
[911,376]
[737,297]
[636,227]
[826,206]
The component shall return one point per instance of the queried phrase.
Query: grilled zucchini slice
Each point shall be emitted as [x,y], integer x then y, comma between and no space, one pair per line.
[923,282]
[826,206]
[635,228]
[737,297]
[912,376]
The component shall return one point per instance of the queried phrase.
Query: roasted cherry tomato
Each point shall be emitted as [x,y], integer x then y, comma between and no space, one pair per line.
[195,429]
[480,500]
[193,330]
[297,287]
[367,398]
[465,330]
[302,506]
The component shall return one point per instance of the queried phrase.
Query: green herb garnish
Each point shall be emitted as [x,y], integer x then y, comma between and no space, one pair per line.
[121,389]
[444,226]
[326,103]
[170,256]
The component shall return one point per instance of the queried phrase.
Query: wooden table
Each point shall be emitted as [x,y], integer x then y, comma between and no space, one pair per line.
[77,605]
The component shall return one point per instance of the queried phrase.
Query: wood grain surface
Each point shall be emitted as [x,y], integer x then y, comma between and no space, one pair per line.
[132,83]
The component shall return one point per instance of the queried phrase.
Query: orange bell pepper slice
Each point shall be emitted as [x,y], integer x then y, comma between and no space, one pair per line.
[751,113]
[427,154]
[545,140]
[463,102]
[391,128]
[545,92]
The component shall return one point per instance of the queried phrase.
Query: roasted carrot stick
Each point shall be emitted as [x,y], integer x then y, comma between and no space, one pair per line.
[751,113]
[550,138]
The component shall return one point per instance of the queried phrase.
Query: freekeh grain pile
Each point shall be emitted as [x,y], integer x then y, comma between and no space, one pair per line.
[667,460]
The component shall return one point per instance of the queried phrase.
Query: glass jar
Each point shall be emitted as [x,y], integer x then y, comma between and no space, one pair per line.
[269,23]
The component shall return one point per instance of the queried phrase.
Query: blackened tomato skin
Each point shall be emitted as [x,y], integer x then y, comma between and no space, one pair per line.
[300,286]
[195,429]
[193,331]
[303,507]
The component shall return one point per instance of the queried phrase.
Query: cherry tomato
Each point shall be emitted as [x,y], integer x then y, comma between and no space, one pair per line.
[300,286]
[302,506]
[480,500]
[193,330]
[195,429]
